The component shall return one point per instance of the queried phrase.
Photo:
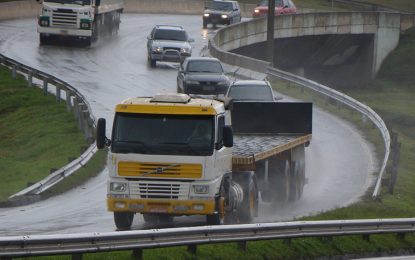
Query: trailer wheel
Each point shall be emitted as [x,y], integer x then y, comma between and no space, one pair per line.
[123,220]
[279,180]
[249,207]
[297,180]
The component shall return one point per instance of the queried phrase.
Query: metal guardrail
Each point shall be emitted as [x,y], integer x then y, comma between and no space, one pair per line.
[75,102]
[347,101]
[258,65]
[45,245]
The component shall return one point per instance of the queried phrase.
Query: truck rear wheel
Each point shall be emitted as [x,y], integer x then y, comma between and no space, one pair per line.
[123,220]
[279,180]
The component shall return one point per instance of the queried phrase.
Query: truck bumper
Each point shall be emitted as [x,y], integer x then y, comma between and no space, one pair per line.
[64,32]
[172,207]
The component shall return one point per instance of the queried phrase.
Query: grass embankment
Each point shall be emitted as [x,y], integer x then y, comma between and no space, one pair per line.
[36,135]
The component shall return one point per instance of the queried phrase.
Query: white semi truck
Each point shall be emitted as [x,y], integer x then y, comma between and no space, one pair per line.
[173,155]
[78,19]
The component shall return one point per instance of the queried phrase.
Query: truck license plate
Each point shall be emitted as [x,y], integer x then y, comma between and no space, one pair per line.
[64,32]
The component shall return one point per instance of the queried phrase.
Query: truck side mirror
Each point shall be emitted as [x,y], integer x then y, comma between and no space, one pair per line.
[227,136]
[101,139]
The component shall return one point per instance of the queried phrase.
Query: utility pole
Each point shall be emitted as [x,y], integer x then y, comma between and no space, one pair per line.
[270,31]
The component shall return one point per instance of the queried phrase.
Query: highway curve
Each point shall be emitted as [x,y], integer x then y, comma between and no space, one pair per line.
[339,161]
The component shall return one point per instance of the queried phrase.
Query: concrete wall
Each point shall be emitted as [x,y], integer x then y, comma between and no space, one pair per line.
[19,9]
[386,28]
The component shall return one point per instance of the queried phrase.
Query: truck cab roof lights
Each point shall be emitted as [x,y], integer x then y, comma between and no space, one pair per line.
[171,98]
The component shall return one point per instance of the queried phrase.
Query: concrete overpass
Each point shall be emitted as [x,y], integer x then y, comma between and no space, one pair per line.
[343,48]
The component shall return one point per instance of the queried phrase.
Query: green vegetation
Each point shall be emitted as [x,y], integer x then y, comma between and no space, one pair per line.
[37,134]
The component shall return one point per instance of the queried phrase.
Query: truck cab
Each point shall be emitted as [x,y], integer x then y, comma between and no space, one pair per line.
[168,157]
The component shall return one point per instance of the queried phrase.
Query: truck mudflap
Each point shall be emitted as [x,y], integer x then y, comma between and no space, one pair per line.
[171,207]
[274,118]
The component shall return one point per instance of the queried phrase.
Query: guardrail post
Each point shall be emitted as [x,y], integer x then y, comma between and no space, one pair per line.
[69,106]
[192,249]
[80,116]
[395,147]
[401,236]
[14,71]
[29,79]
[366,237]
[138,254]
[58,94]
[45,87]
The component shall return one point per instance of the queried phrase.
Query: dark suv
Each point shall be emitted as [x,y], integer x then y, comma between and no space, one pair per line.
[168,43]
[202,75]
[221,12]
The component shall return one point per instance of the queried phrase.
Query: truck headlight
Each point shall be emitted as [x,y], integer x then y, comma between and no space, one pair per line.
[44,21]
[85,24]
[201,189]
[206,15]
[224,16]
[118,186]
[256,11]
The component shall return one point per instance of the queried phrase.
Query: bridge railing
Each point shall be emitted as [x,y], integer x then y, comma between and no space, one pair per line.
[76,244]
[263,67]
[75,102]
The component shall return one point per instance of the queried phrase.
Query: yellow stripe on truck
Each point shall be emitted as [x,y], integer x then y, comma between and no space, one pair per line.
[159,170]
[167,109]
[152,206]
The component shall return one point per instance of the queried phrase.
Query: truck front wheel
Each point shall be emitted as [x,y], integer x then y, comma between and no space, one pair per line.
[123,220]
[249,206]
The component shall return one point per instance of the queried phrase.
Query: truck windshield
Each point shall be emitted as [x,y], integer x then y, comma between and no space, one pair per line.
[77,2]
[163,134]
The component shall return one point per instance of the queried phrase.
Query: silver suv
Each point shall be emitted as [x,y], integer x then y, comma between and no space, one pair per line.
[168,43]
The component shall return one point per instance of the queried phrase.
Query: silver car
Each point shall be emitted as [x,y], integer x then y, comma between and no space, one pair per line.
[168,43]
[249,90]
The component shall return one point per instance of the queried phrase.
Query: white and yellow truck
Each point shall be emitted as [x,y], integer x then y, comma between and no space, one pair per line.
[78,19]
[173,155]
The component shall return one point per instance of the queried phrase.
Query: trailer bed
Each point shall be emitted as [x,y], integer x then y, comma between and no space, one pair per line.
[249,149]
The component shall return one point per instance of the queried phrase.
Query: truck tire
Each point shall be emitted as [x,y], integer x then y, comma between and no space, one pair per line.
[214,219]
[279,179]
[204,25]
[249,207]
[123,220]
[152,62]
[43,39]
[297,180]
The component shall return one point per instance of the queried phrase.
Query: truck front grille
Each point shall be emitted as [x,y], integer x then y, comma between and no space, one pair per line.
[64,18]
[160,170]
[159,190]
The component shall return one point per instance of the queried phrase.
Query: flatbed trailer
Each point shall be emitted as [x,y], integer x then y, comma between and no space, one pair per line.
[174,155]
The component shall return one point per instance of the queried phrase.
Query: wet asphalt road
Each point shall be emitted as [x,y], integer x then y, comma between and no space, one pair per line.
[339,161]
